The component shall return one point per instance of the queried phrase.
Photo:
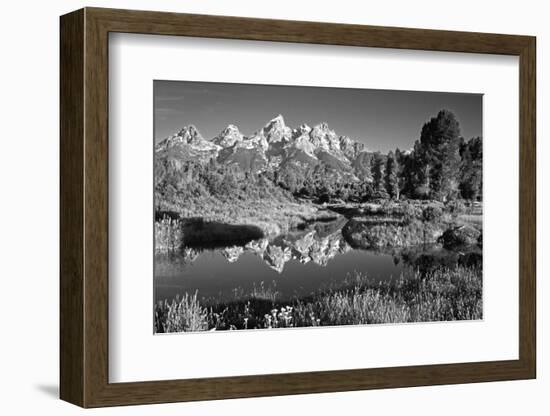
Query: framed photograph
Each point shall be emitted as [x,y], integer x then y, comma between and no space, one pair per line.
[264,207]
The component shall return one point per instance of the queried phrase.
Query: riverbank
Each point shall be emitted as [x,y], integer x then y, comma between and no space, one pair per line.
[443,294]
[211,221]
[411,223]
[215,221]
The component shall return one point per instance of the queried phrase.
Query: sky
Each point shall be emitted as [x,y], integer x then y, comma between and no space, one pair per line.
[382,119]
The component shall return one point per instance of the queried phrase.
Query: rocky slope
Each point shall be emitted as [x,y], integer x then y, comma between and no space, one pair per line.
[187,144]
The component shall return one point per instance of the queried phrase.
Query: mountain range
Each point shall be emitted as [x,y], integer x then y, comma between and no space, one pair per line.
[274,146]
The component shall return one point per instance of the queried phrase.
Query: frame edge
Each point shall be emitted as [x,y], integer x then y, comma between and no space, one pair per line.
[84,147]
[528,208]
[71,216]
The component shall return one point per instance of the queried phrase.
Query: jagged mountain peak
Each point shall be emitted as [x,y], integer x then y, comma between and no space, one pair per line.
[229,136]
[231,128]
[274,146]
[189,133]
[276,130]
[279,119]
[187,144]
[302,129]
[191,128]
[322,129]
[323,137]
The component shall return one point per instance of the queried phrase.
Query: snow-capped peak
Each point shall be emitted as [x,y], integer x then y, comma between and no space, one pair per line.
[278,120]
[187,136]
[276,130]
[273,145]
[229,136]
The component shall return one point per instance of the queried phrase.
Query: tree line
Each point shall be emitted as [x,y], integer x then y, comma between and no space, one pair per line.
[442,166]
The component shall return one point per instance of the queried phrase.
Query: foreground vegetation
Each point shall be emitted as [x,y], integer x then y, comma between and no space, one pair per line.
[442,294]
[412,223]
[227,195]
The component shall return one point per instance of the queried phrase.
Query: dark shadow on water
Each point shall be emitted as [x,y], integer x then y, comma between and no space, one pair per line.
[319,221]
[427,258]
[51,390]
[210,235]
[161,215]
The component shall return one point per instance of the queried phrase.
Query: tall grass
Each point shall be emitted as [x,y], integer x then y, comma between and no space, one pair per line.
[181,315]
[168,234]
[443,294]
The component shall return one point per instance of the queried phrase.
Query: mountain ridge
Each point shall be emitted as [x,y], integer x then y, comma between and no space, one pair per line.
[274,146]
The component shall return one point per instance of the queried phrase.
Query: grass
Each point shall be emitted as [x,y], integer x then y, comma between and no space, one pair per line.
[271,216]
[443,294]
[168,234]
[223,219]
[475,220]
[184,314]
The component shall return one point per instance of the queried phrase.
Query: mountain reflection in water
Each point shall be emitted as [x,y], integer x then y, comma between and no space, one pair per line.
[298,263]
[317,245]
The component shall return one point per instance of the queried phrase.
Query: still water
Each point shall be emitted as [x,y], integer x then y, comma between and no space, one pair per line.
[295,264]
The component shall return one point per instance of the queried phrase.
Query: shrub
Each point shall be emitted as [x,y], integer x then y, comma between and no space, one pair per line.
[432,213]
[411,212]
[456,237]
[181,315]
[168,234]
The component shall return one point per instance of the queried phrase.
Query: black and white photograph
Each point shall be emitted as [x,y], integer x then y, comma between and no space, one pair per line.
[282,206]
[245,208]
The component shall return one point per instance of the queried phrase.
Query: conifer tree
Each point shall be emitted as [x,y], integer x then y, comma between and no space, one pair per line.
[391,180]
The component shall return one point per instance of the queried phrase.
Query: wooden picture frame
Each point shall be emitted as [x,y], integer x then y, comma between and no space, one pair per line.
[84,207]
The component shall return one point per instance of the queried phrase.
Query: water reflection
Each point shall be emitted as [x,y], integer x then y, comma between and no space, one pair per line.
[317,243]
[297,263]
